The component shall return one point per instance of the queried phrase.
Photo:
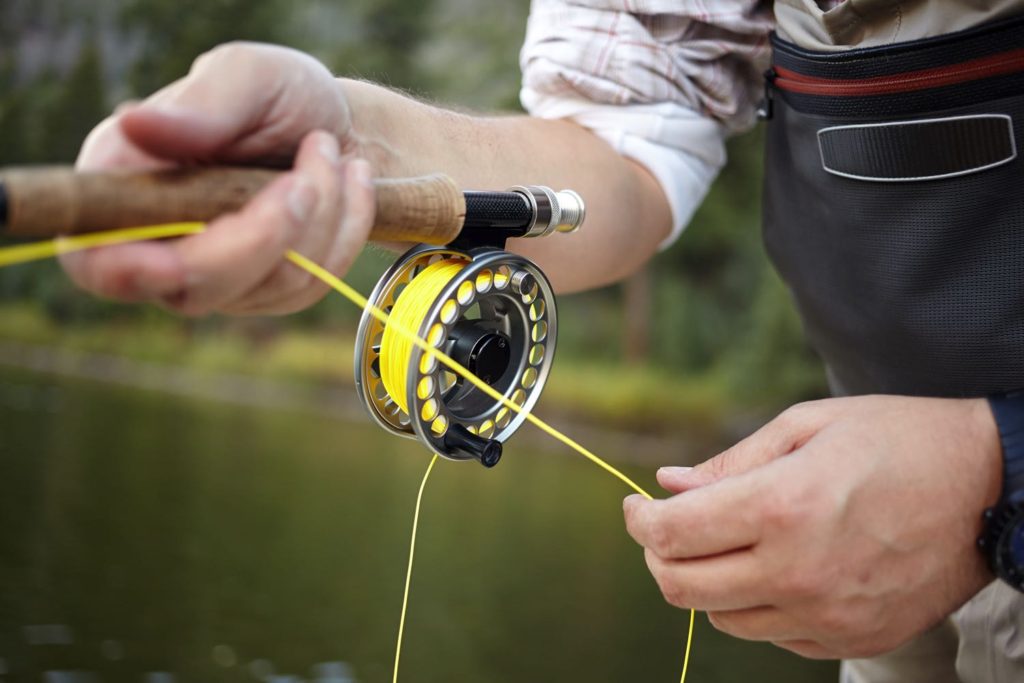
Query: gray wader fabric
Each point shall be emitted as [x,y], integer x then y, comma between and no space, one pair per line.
[982,642]
[907,285]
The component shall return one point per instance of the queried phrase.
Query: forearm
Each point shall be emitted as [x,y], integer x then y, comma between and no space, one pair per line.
[627,213]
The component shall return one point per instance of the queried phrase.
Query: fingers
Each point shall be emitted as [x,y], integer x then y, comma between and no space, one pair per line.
[240,103]
[808,649]
[783,435]
[319,160]
[107,147]
[707,521]
[334,237]
[217,103]
[758,623]
[182,134]
[733,581]
[226,95]
[358,218]
[237,251]
[358,211]
[680,479]
[237,265]
[140,271]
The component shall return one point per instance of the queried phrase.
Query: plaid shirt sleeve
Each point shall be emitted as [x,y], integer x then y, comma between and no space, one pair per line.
[663,81]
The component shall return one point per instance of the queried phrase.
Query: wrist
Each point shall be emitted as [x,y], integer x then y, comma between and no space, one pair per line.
[985,439]
[399,135]
[373,129]
[1002,540]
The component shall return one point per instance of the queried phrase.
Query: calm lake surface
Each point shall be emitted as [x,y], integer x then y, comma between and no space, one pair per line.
[148,537]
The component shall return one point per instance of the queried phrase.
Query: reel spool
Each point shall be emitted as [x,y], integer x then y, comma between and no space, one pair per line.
[490,310]
[495,315]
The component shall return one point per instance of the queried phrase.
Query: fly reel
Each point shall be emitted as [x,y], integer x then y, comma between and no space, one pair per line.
[490,310]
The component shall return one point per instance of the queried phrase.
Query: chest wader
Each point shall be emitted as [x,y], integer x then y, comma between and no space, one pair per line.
[894,209]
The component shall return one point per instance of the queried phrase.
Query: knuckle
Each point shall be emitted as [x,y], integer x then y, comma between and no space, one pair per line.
[795,414]
[96,144]
[225,53]
[799,583]
[661,538]
[726,624]
[719,464]
[288,281]
[778,512]
[672,591]
[675,595]
[785,509]
[834,621]
[719,621]
[269,233]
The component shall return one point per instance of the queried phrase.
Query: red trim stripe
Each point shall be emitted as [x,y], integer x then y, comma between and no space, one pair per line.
[975,69]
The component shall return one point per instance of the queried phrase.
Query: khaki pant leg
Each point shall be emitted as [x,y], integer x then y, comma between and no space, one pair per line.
[982,642]
[929,658]
[991,629]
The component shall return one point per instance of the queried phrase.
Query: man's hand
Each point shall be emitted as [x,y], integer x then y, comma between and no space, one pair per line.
[842,528]
[240,104]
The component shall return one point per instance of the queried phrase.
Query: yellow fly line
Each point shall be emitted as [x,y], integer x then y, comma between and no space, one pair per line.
[399,335]
[396,348]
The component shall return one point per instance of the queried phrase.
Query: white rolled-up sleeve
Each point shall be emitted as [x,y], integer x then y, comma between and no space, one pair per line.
[664,82]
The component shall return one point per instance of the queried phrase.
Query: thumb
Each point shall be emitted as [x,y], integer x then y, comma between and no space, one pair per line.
[681,479]
[181,134]
[224,99]
[783,435]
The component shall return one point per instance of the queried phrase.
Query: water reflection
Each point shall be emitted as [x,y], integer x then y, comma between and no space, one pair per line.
[159,539]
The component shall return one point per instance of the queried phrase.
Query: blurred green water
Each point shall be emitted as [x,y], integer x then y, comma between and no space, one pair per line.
[224,543]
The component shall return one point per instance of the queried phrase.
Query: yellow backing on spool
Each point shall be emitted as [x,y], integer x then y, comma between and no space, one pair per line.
[407,314]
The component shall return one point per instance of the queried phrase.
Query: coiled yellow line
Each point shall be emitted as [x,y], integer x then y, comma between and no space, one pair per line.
[399,325]
[407,313]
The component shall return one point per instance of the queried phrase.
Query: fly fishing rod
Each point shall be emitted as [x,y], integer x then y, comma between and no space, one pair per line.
[490,310]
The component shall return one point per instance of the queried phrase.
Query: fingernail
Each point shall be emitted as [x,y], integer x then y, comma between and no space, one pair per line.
[361,172]
[328,146]
[301,199]
[674,470]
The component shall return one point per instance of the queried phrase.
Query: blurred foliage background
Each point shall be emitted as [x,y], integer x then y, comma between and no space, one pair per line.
[706,333]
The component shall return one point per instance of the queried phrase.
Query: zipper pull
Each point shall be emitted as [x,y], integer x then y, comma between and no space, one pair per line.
[766,107]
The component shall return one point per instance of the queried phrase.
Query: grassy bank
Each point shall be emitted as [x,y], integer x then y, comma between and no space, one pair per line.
[618,395]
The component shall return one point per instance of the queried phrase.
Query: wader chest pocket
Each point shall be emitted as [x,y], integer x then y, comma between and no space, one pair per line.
[928,149]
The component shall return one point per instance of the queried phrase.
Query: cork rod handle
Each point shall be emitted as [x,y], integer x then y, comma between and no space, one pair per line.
[49,201]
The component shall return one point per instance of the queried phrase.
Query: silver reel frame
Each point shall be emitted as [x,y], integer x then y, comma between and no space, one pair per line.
[499,291]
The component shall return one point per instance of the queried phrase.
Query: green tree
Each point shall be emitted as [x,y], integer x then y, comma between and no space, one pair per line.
[390,35]
[72,106]
[175,32]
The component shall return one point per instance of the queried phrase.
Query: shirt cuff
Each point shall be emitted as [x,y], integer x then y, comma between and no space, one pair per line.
[683,150]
